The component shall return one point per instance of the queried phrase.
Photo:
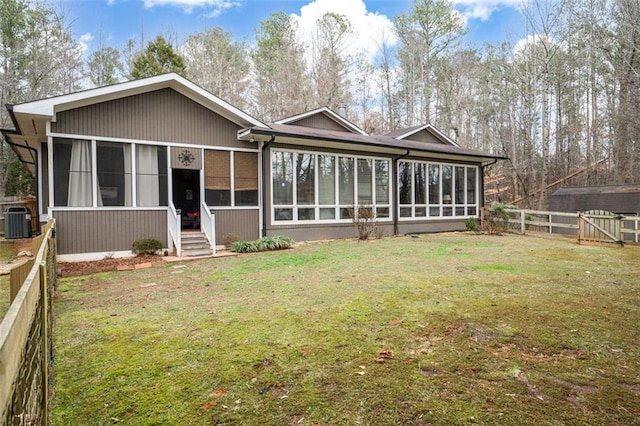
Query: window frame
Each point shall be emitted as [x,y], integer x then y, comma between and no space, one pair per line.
[407,210]
[337,206]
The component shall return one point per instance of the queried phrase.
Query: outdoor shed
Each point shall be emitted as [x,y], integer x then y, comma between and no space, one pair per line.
[619,199]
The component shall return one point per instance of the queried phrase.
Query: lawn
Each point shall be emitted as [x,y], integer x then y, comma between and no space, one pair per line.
[436,330]
[7,253]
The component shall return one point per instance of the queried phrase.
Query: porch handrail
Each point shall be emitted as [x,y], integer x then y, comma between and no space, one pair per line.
[174,222]
[208,224]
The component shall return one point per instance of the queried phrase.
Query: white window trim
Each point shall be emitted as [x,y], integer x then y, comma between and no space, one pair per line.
[440,206]
[94,178]
[147,142]
[337,206]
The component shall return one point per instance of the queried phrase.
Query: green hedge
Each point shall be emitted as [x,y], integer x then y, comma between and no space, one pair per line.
[263,244]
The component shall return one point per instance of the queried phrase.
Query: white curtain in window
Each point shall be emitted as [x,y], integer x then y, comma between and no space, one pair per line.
[127,174]
[79,194]
[147,171]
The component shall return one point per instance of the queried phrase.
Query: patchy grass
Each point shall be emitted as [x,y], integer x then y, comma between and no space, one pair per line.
[440,329]
[7,253]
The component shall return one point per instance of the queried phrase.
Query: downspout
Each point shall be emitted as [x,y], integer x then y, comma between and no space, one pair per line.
[265,164]
[35,164]
[396,202]
[482,167]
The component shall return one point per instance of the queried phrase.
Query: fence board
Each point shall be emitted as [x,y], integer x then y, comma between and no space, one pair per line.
[25,340]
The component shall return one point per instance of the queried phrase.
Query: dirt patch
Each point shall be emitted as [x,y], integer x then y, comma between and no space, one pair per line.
[74,269]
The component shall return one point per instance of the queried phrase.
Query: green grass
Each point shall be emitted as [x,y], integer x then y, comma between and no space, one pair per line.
[7,252]
[441,329]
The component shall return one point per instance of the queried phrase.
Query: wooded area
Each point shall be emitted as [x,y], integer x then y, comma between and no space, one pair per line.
[561,104]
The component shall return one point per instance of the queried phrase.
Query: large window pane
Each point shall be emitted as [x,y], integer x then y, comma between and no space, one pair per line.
[217,178]
[346,181]
[365,182]
[245,184]
[459,185]
[447,182]
[305,179]
[434,184]
[113,162]
[404,177]
[326,180]
[382,181]
[61,162]
[420,177]
[282,171]
[151,169]
[471,185]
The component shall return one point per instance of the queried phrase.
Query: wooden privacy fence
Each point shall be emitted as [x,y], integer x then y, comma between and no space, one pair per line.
[592,226]
[26,344]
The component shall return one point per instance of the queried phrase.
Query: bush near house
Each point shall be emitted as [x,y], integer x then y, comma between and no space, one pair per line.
[263,244]
[146,246]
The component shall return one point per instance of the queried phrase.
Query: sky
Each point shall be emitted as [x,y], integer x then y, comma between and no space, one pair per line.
[101,23]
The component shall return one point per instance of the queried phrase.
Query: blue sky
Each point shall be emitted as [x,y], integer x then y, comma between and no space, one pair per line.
[113,22]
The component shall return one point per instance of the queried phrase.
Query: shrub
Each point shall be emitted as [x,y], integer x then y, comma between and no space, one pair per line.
[231,238]
[495,220]
[364,218]
[146,246]
[472,224]
[263,244]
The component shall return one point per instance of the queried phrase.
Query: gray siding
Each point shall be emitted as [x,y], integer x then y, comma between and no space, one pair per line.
[423,136]
[320,121]
[243,223]
[431,226]
[162,115]
[314,232]
[107,230]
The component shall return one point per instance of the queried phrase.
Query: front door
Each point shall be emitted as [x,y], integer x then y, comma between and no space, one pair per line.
[186,196]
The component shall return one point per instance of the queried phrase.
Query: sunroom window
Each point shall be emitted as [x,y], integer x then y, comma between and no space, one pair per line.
[438,190]
[324,187]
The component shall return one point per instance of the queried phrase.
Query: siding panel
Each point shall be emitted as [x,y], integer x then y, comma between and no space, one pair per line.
[107,230]
[162,115]
[320,121]
[244,223]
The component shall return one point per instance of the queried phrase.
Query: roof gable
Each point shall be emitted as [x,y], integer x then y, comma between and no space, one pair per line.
[322,118]
[423,133]
[49,107]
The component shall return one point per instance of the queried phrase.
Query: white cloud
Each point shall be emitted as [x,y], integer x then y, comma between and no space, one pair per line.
[84,41]
[217,6]
[482,9]
[370,29]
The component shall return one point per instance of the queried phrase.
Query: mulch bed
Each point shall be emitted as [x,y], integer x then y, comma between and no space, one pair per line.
[74,269]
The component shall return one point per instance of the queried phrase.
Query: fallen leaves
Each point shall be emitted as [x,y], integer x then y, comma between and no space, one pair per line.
[217,393]
[383,356]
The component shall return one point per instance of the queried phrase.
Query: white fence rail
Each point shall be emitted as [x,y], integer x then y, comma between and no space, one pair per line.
[208,225]
[174,224]
[568,223]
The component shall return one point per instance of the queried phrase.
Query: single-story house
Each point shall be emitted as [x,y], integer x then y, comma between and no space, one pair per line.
[161,157]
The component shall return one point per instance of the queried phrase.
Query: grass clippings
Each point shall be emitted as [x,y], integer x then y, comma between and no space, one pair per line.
[441,329]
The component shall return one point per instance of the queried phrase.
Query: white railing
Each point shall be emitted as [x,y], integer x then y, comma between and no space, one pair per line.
[208,225]
[174,222]
[551,222]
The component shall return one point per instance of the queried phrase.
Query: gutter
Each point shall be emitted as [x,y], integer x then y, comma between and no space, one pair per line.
[265,164]
[396,202]
[34,153]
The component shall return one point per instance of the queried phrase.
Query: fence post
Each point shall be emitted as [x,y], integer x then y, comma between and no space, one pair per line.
[44,291]
[580,227]
[635,222]
[522,221]
[550,223]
